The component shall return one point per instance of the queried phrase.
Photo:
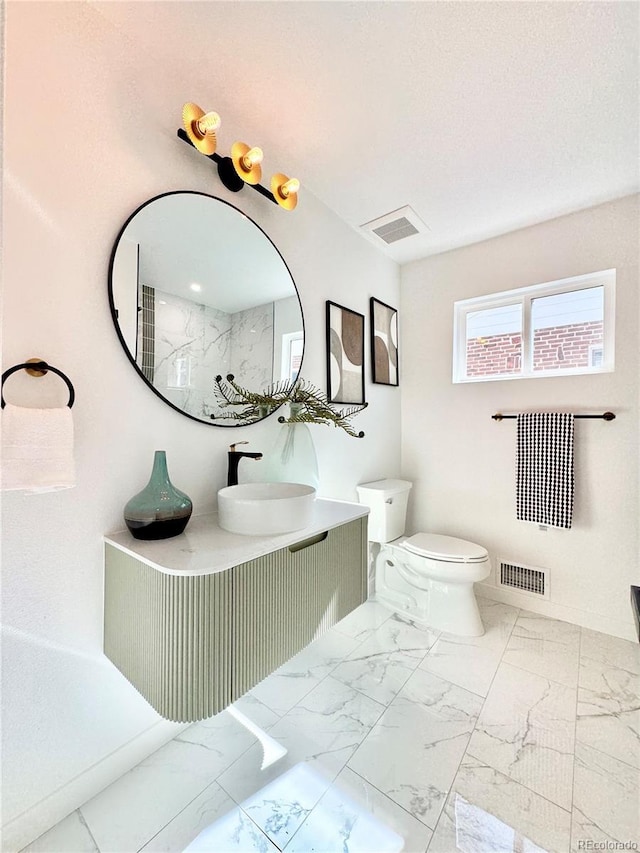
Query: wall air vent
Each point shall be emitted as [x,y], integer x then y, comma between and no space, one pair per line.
[524,579]
[397,225]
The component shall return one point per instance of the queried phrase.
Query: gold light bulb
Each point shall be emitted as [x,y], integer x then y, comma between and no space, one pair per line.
[285,190]
[289,187]
[208,123]
[201,127]
[246,162]
[252,158]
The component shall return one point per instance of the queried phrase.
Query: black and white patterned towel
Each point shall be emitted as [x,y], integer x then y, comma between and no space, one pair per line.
[544,468]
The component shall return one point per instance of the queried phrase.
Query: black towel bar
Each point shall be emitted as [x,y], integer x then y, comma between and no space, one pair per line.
[606,416]
[36,364]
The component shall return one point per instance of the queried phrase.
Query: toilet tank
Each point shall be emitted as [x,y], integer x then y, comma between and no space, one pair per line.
[387,500]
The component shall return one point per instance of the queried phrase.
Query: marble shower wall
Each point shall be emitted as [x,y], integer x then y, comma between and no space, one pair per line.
[252,346]
[194,343]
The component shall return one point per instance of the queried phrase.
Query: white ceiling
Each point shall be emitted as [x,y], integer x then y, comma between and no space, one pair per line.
[484,117]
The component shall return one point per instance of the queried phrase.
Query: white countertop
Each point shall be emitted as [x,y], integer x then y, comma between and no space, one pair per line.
[205,548]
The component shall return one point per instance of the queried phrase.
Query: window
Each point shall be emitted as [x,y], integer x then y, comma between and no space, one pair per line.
[292,351]
[560,328]
[179,373]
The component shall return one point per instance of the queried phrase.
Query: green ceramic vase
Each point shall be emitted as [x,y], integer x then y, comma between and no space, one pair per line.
[160,510]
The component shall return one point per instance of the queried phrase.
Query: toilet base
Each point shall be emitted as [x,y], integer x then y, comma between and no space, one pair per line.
[438,604]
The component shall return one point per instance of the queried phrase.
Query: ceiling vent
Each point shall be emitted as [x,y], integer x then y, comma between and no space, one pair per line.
[397,225]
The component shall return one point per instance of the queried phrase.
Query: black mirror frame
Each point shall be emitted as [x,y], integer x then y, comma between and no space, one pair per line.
[114,312]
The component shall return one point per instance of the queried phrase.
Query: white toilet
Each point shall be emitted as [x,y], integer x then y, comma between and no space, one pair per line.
[427,577]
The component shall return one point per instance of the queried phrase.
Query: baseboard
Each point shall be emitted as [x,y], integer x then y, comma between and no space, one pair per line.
[33,822]
[594,621]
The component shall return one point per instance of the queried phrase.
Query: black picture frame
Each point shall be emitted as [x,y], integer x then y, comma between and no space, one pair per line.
[345,355]
[385,367]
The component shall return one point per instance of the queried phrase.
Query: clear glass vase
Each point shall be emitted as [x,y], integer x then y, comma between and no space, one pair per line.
[160,510]
[292,458]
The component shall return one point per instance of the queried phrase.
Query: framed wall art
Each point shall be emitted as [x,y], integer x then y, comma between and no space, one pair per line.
[345,355]
[384,343]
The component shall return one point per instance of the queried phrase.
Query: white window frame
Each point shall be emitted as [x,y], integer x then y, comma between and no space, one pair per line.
[593,349]
[288,339]
[524,296]
[179,372]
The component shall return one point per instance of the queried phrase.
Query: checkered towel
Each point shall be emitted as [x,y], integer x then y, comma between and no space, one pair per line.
[544,468]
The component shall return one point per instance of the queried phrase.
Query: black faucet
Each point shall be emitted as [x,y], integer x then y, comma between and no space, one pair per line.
[234,458]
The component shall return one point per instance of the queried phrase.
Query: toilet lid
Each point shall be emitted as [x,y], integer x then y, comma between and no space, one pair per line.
[445,548]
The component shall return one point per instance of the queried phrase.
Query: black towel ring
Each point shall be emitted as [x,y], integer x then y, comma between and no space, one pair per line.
[42,367]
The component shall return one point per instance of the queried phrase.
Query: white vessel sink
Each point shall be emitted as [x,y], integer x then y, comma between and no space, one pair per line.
[263,509]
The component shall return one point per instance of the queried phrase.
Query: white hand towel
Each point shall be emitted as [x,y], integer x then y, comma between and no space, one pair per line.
[37,449]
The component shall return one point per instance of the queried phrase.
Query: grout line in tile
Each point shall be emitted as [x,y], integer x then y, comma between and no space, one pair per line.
[273,710]
[344,634]
[537,675]
[260,829]
[607,754]
[466,752]
[452,683]
[366,696]
[149,840]
[601,664]
[304,696]
[399,805]
[83,821]
[214,781]
[226,791]
[371,728]
[575,740]
[484,700]
[518,782]
[285,716]
[313,808]
[333,668]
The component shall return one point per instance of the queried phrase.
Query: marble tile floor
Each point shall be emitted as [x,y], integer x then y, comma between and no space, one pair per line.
[383,736]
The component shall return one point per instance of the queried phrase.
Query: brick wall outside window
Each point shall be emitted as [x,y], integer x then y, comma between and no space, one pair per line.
[494,354]
[554,348]
[565,346]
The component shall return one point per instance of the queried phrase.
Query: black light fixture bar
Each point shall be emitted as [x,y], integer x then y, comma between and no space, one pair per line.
[226,172]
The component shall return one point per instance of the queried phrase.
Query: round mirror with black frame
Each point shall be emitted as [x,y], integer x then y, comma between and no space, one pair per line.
[197,290]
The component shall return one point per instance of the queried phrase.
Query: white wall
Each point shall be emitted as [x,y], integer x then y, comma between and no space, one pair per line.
[90,134]
[463,463]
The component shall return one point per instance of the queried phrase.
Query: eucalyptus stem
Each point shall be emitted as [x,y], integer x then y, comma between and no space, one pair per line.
[308,403]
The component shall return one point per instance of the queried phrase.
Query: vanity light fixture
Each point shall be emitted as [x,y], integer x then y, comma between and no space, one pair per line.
[201,127]
[244,164]
[285,190]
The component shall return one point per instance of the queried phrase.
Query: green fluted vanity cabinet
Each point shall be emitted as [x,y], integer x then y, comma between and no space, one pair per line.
[283,601]
[170,636]
[192,633]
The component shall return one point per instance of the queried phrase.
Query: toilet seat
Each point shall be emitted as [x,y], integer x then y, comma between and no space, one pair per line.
[446,549]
